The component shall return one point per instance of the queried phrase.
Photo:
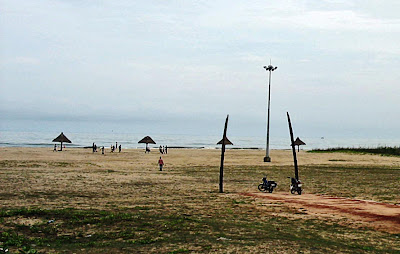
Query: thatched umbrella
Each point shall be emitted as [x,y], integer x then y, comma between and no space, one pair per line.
[62,138]
[298,142]
[227,142]
[147,140]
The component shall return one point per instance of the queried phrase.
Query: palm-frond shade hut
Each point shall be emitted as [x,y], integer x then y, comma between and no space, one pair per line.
[62,138]
[147,140]
[298,142]
[227,142]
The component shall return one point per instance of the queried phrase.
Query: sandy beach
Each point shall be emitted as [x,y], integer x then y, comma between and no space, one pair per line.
[198,157]
[79,179]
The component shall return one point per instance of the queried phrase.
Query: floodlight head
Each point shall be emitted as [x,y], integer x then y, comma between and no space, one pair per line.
[270,68]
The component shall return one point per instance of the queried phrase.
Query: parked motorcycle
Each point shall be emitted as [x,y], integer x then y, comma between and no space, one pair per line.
[267,185]
[295,185]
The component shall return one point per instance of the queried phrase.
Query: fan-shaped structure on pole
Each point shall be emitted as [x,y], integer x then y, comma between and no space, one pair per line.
[62,139]
[298,142]
[147,140]
[227,142]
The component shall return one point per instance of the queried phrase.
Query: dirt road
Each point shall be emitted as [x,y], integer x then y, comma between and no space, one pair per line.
[381,216]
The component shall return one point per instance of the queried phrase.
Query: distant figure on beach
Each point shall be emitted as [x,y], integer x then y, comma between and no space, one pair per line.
[166,150]
[55,148]
[160,163]
[160,149]
[95,148]
[116,145]
[163,149]
[102,150]
[147,149]
[119,148]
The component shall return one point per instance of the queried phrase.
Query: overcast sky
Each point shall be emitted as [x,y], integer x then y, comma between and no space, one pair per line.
[187,64]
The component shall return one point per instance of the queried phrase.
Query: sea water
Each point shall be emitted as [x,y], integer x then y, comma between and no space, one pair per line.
[40,133]
[10,138]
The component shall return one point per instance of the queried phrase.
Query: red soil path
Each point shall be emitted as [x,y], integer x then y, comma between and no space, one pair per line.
[381,216]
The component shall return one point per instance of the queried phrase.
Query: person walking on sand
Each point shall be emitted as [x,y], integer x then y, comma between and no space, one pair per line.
[102,150]
[119,148]
[55,148]
[160,163]
[166,150]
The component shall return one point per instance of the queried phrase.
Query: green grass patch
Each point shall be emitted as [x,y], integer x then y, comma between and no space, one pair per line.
[382,150]
[69,230]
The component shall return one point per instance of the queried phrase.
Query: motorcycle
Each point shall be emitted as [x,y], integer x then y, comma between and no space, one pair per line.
[267,185]
[295,185]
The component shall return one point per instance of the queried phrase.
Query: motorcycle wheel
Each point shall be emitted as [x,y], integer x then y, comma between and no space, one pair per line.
[299,191]
[292,191]
[261,187]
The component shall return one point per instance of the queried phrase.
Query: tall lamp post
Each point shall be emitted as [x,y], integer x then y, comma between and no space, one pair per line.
[269,68]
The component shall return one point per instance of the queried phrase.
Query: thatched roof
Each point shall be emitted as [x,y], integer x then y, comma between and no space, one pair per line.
[298,142]
[227,142]
[62,138]
[147,140]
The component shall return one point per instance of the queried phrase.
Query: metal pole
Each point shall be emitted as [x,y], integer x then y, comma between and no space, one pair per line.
[267,157]
[269,68]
